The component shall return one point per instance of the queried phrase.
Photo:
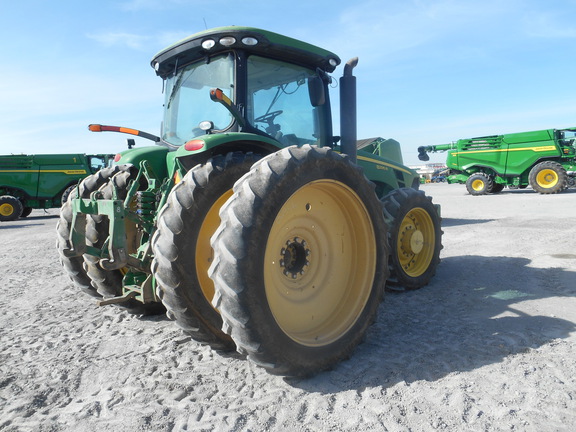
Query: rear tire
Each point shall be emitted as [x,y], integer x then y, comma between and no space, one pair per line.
[497,188]
[414,236]
[548,177]
[74,266]
[182,251]
[67,193]
[26,212]
[300,260]
[10,208]
[479,184]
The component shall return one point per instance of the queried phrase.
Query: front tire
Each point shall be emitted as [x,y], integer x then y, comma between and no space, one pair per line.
[300,260]
[182,251]
[74,266]
[10,208]
[479,184]
[415,238]
[548,177]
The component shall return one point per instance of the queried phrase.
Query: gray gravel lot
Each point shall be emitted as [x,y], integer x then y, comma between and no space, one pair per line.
[489,345]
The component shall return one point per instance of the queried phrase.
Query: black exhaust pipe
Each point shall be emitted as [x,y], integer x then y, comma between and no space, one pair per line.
[348,132]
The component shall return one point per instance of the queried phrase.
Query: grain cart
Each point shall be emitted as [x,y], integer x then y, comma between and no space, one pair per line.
[543,159]
[42,181]
[250,222]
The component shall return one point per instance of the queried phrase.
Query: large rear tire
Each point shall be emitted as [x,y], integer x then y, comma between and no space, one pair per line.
[26,212]
[548,177]
[74,266]
[182,251]
[415,238]
[109,283]
[300,260]
[497,188]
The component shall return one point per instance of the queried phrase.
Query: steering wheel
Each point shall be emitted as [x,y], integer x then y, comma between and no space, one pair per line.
[268,118]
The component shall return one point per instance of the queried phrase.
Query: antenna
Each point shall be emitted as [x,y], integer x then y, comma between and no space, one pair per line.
[205,25]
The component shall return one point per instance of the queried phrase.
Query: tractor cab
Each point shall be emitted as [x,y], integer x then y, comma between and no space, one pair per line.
[267,84]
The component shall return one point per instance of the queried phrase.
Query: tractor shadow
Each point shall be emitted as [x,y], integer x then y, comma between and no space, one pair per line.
[28,221]
[16,226]
[449,222]
[532,191]
[468,317]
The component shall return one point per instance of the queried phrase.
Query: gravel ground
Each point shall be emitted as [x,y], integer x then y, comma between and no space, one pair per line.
[489,345]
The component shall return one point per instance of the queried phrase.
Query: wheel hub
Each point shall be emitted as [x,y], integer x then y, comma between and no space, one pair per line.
[6,210]
[412,241]
[477,185]
[417,241]
[294,258]
[547,178]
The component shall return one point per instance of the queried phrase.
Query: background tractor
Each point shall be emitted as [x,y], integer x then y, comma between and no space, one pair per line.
[251,223]
[543,159]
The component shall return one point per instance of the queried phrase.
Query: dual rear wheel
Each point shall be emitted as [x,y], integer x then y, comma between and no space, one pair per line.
[300,260]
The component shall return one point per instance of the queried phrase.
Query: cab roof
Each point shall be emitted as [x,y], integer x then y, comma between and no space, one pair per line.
[253,40]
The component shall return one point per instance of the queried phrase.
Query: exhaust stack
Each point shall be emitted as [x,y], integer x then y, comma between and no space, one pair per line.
[348,132]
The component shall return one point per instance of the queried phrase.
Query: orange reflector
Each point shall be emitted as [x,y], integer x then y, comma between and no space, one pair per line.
[129,131]
[216,93]
[194,145]
[117,157]
[177,178]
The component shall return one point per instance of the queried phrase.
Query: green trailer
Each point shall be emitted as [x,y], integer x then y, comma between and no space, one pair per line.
[544,160]
[251,223]
[42,181]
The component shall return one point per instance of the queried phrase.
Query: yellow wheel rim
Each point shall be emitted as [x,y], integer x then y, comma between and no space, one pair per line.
[478,185]
[416,242]
[204,255]
[547,178]
[320,262]
[6,209]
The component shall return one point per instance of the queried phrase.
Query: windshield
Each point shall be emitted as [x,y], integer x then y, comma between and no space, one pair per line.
[279,101]
[98,162]
[568,137]
[188,100]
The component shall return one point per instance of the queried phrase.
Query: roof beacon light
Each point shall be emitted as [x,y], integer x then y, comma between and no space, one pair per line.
[228,41]
[250,41]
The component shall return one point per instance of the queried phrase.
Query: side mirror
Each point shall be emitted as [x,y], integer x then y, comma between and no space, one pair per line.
[316,91]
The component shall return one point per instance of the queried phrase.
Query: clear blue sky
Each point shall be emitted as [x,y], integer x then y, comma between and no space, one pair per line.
[430,71]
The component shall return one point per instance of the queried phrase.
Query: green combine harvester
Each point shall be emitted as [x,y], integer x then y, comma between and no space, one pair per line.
[42,181]
[250,222]
[544,160]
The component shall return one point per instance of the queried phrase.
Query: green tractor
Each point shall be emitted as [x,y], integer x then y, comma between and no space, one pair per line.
[544,160]
[250,222]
